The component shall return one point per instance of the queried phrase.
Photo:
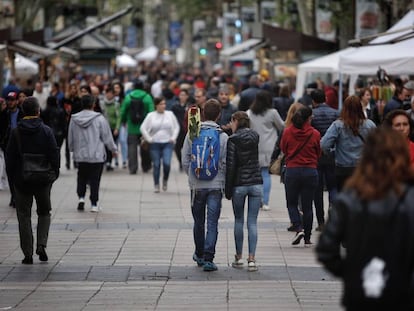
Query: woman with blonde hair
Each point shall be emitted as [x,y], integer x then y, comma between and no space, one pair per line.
[374,218]
[347,135]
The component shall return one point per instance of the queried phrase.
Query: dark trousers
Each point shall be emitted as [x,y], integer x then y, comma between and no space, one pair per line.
[89,173]
[326,174]
[109,152]
[342,174]
[67,153]
[179,145]
[24,202]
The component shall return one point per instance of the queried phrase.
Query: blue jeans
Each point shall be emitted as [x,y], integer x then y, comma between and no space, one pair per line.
[205,244]
[123,142]
[301,182]
[267,184]
[254,194]
[160,151]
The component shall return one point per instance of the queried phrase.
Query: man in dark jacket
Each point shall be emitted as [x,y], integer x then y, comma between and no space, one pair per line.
[32,136]
[9,118]
[248,96]
[323,117]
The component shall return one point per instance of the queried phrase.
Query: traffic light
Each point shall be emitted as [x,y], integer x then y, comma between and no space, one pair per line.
[219,45]
[203,51]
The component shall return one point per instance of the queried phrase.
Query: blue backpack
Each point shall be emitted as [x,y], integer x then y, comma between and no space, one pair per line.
[205,154]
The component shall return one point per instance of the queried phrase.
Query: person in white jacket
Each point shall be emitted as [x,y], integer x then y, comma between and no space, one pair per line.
[160,129]
[89,133]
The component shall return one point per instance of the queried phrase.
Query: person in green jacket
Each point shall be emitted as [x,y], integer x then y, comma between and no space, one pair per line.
[127,116]
[112,113]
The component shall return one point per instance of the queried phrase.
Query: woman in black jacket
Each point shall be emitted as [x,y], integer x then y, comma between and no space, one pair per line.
[55,117]
[244,179]
[374,219]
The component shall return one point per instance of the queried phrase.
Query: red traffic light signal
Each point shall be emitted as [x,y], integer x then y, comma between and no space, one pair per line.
[219,45]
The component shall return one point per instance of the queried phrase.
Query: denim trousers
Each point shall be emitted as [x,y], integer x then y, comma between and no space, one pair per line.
[254,199]
[123,142]
[205,243]
[158,152]
[89,173]
[24,201]
[267,184]
[326,174]
[301,182]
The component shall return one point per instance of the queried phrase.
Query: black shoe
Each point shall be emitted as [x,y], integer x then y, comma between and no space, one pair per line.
[320,228]
[81,206]
[292,228]
[28,260]
[42,253]
[109,168]
[308,243]
[298,237]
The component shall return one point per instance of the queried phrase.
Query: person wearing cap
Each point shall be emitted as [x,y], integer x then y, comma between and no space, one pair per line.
[134,132]
[9,118]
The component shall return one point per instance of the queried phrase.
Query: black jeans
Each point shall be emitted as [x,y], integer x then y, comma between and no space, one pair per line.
[24,202]
[89,173]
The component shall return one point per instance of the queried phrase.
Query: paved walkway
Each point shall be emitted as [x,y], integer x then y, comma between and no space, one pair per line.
[136,254]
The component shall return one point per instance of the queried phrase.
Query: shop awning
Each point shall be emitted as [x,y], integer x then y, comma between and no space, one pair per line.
[253,43]
[27,48]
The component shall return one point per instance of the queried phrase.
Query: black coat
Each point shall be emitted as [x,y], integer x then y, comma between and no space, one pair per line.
[242,160]
[5,126]
[35,137]
[383,229]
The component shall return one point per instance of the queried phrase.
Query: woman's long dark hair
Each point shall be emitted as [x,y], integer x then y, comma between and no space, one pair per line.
[384,165]
[352,114]
[262,102]
[301,116]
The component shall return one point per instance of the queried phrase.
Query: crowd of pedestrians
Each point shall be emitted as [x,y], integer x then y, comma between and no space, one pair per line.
[224,134]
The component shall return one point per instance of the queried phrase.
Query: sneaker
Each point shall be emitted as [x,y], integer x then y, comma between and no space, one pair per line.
[124,165]
[94,209]
[237,263]
[157,188]
[265,207]
[198,260]
[42,253]
[291,228]
[164,185]
[251,266]
[308,243]
[81,204]
[298,237]
[209,266]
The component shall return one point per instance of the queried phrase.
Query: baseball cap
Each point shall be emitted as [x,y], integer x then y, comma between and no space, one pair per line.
[11,95]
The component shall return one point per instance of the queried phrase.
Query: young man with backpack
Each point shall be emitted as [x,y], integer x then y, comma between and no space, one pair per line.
[134,108]
[204,160]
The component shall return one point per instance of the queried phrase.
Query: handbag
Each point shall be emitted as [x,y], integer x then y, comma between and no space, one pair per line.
[36,167]
[276,166]
[144,144]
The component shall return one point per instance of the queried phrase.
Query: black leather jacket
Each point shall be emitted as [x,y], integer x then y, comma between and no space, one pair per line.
[381,229]
[242,161]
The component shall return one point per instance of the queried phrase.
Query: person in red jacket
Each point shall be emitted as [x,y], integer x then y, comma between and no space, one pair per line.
[301,145]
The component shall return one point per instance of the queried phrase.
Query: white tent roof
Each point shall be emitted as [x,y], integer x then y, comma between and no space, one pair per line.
[148,54]
[396,58]
[25,66]
[125,60]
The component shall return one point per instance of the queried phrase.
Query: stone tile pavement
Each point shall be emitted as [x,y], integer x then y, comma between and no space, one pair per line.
[136,254]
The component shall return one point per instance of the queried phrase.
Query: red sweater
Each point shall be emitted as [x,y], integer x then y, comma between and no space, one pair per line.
[293,138]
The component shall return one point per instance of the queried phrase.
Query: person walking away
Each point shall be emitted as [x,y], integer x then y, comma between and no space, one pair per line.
[248,95]
[347,136]
[9,119]
[206,183]
[89,133]
[122,137]
[160,128]
[55,117]
[374,218]
[113,116]
[34,137]
[283,102]
[267,122]
[300,144]
[136,105]
[323,117]
[244,180]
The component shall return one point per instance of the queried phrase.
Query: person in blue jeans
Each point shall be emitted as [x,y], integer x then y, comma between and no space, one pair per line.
[160,128]
[244,180]
[301,145]
[206,195]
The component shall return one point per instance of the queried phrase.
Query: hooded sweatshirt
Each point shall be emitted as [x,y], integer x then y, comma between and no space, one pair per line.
[293,139]
[89,133]
[112,113]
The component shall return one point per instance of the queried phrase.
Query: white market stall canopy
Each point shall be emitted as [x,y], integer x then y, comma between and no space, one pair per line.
[24,66]
[125,60]
[148,54]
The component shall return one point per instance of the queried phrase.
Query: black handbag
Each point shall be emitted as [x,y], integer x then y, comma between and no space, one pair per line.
[36,167]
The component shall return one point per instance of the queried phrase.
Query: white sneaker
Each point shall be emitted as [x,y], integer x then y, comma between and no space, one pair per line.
[94,209]
[265,207]
[251,266]
[237,263]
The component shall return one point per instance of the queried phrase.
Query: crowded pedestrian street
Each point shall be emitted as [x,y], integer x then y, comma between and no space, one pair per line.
[136,254]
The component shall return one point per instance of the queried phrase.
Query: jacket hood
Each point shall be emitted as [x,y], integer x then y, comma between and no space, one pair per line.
[302,133]
[30,126]
[109,102]
[245,138]
[85,117]
[209,125]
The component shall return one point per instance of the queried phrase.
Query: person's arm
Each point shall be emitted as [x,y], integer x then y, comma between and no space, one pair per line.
[231,167]
[53,151]
[186,154]
[328,140]
[175,125]
[278,122]
[125,108]
[12,155]
[106,135]
[71,136]
[146,128]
